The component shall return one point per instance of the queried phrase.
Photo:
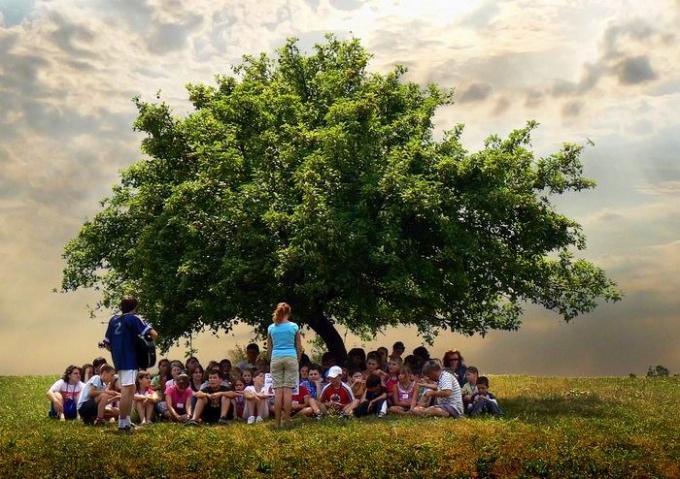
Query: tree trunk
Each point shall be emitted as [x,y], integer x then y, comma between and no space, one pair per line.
[321,325]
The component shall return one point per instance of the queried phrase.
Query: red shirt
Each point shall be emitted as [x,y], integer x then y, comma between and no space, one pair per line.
[300,396]
[342,395]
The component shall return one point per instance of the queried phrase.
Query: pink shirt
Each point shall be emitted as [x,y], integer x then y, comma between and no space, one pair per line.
[179,398]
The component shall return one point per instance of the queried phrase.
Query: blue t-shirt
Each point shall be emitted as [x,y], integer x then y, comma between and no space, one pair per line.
[283,339]
[121,335]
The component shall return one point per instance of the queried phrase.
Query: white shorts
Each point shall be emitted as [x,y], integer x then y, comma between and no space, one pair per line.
[127,377]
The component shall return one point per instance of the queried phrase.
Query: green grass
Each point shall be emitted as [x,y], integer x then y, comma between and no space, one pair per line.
[554,427]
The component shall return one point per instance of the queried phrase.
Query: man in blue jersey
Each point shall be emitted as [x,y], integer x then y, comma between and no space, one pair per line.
[120,340]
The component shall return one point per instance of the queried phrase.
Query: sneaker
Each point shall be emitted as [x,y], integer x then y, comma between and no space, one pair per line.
[126,428]
[318,417]
[251,420]
[381,414]
[342,415]
[132,425]
[192,422]
[259,419]
[223,420]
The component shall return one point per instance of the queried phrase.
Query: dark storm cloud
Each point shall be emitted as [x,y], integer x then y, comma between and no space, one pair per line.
[635,70]
[475,92]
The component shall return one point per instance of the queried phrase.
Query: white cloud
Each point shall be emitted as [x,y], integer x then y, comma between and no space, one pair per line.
[68,70]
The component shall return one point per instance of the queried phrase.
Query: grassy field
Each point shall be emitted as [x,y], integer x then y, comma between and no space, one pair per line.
[554,427]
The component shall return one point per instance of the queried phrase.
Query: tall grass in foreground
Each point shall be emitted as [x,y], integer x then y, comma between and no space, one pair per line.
[554,427]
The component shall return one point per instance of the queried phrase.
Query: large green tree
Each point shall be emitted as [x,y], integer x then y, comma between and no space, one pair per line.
[309,179]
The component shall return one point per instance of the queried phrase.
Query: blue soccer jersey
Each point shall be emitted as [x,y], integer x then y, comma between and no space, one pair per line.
[121,335]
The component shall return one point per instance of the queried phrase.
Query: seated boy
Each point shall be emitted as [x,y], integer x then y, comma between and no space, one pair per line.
[483,402]
[470,387]
[300,402]
[374,400]
[314,384]
[213,404]
[337,396]
[95,397]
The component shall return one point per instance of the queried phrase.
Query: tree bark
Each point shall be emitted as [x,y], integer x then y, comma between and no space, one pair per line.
[322,326]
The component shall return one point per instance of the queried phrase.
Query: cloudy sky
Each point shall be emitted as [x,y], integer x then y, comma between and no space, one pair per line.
[608,71]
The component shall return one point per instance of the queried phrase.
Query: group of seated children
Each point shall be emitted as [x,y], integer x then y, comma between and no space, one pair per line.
[363,386]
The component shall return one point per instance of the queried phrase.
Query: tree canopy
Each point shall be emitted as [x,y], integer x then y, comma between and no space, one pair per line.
[307,178]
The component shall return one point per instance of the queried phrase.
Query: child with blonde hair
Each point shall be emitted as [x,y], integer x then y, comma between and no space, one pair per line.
[403,393]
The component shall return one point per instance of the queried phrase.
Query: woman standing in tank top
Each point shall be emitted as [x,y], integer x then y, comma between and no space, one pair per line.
[285,346]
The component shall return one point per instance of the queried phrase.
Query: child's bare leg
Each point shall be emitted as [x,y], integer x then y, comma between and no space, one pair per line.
[225,404]
[261,409]
[306,411]
[250,407]
[200,404]
[139,407]
[315,406]
[101,401]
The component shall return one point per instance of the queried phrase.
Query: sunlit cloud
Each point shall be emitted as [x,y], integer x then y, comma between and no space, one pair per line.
[585,70]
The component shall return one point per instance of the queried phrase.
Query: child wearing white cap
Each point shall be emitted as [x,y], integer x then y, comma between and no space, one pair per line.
[337,396]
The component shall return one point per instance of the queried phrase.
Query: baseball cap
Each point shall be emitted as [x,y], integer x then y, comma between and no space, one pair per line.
[334,372]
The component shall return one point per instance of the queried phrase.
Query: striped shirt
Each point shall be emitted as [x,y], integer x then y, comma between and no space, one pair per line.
[448,382]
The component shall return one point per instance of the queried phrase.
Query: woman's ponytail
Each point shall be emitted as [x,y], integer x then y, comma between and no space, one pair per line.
[282,311]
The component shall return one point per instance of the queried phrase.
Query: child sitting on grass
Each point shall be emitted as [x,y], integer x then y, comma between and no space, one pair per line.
[95,397]
[145,398]
[178,398]
[239,402]
[392,378]
[213,402]
[357,382]
[403,393]
[314,384]
[483,402]
[374,400]
[470,387]
[64,393]
[257,400]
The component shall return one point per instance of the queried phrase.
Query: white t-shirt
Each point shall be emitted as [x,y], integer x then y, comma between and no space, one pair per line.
[68,391]
[266,403]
